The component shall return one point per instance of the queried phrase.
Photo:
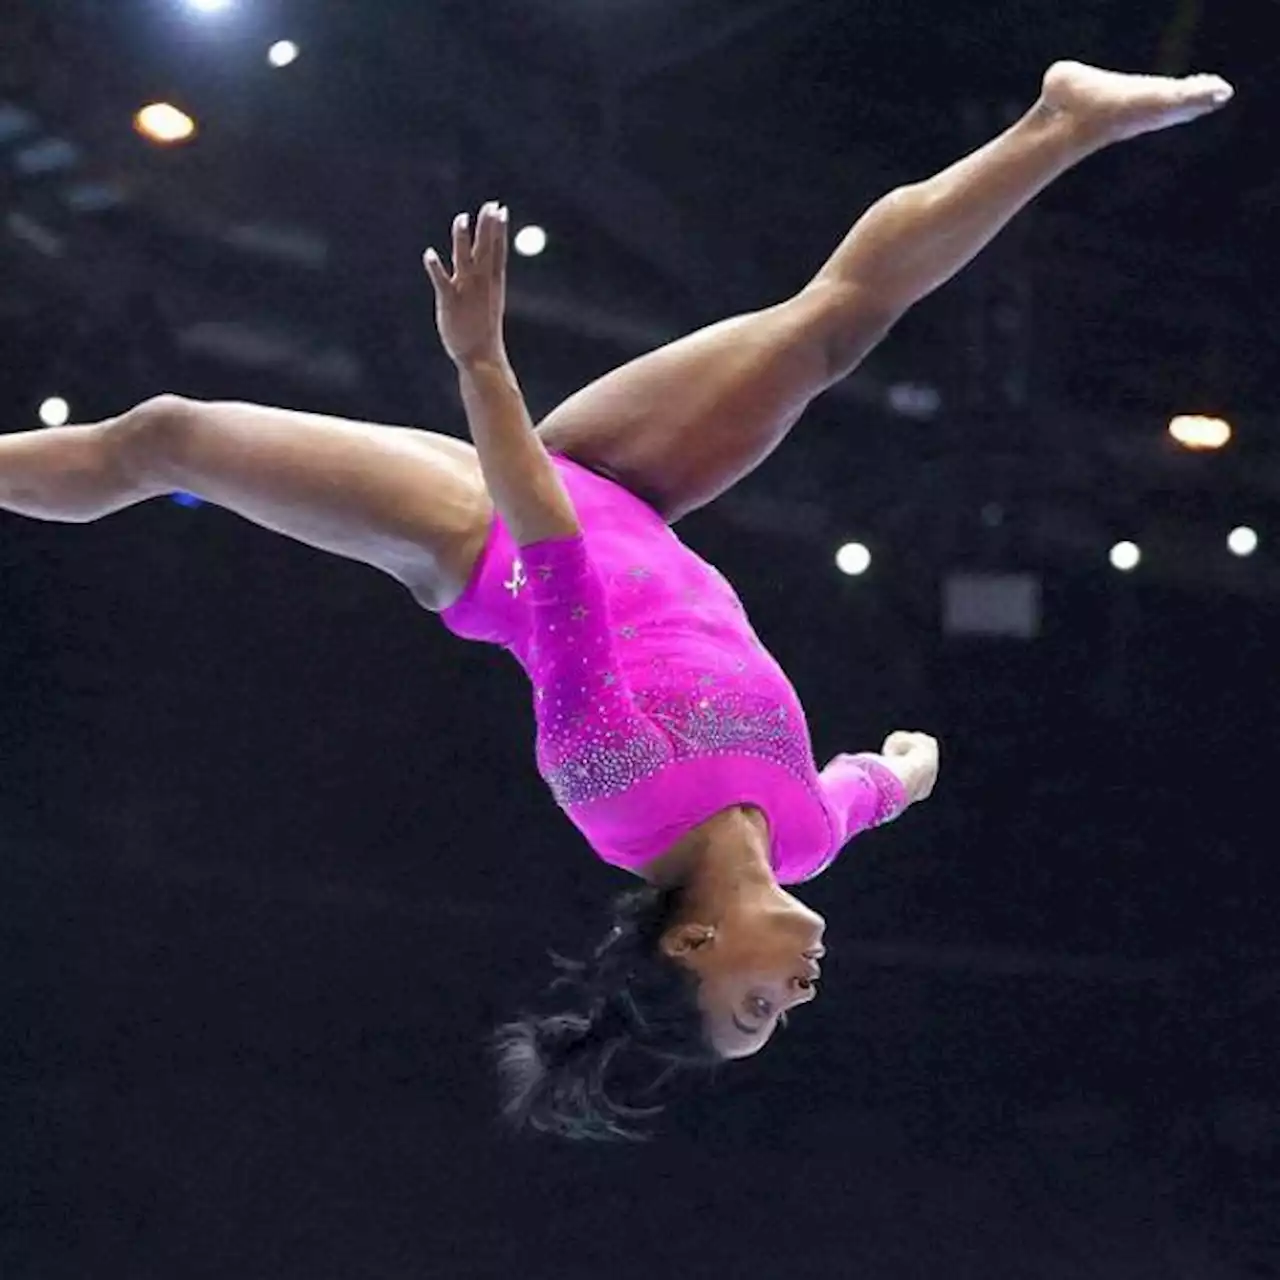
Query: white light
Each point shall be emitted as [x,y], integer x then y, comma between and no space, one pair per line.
[530,241]
[853,559]
[209,6]
[1242,541]
[1125,556]
[282,53]
[55,412]
[163,122]
[1198,432]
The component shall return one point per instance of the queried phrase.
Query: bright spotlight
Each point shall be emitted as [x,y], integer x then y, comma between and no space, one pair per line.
[1195,431]
[282,53]
[163,123]
[530,241]
[1242,541]
[55,412]
[1125,556]
[853,559]
[210,6]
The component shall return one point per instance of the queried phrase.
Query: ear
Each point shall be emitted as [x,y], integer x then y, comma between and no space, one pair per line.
[685,938]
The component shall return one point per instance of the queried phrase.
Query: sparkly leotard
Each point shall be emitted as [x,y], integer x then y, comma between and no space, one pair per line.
[656,704]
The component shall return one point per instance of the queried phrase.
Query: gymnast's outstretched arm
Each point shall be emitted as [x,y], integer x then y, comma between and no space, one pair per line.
[470,303]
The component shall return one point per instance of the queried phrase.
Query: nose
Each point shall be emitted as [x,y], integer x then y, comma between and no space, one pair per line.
[806,983]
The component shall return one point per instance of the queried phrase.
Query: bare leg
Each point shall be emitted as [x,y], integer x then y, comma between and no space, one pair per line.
[682,425]
[410,503]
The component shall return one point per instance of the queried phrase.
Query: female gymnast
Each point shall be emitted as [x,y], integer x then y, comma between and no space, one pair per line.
[667,733]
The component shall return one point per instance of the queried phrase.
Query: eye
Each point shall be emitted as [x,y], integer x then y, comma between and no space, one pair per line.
[759,1007]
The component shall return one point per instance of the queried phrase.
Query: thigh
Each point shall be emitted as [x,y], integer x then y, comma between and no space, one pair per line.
[683,424]
[411,503]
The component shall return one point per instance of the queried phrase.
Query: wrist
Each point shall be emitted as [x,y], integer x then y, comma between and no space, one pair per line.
[896,793]
[906,776]
[479,363]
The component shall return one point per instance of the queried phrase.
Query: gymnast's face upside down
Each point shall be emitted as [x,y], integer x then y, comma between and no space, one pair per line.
[757,960]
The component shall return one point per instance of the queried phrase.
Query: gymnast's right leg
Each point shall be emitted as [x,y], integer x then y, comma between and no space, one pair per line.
[411,503]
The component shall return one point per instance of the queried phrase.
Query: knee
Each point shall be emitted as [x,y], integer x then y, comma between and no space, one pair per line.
[153,434]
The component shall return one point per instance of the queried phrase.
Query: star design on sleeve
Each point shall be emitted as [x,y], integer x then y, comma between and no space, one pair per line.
[579,612]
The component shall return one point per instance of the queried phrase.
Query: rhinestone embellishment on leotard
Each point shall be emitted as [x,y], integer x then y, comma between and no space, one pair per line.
[608,767]
[722,723]
[605,745]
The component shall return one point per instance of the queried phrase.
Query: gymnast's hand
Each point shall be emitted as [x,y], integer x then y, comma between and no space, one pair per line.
[470,302]
[914,758]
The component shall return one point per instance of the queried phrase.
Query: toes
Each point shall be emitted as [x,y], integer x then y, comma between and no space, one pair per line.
[1212,89]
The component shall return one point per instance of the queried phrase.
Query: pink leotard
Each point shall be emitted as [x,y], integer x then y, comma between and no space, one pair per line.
[656,704]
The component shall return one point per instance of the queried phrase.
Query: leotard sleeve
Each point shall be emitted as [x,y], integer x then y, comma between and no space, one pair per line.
[591,735]
[862,792]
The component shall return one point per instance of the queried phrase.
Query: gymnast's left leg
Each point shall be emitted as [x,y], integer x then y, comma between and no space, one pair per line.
[683,424]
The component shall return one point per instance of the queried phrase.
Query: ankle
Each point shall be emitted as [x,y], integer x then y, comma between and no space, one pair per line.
[1060,124]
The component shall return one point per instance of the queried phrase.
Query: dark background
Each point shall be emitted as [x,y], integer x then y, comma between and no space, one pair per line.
[273,854]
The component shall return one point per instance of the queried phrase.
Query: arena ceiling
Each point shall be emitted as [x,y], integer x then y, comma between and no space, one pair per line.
[690,158]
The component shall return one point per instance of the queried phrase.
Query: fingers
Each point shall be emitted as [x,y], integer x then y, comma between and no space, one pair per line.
[461,243]
[487,249]
[501,244]
[898,743]
[491,235]
[437,271]
[914,758]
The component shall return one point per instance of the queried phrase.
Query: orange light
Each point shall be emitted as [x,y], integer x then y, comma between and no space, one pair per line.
[163,123]
[1195,431]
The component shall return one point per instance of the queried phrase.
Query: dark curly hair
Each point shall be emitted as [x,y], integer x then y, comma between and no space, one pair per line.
[633,1021]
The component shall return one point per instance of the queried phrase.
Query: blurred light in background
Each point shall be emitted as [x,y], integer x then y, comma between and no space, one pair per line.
[55,412]
[1194,431]
[916,400]
[186,500]
[163,123]
[46,155]
[853,559]
[1242,541]
[1125,556]
[282,53]
[210,6]
[530,241]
